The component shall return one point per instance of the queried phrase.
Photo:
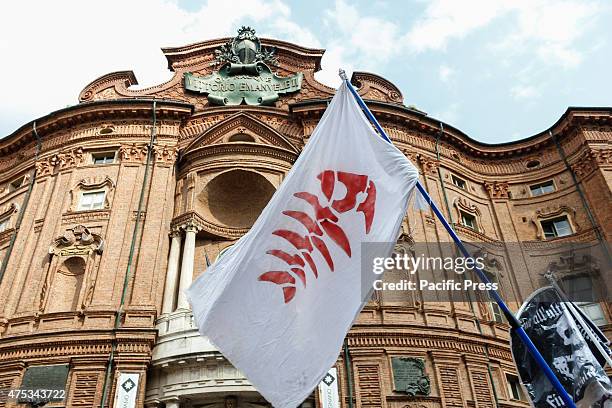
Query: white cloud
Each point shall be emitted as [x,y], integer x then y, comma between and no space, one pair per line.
[445,72]
[550,30]
[546,28]
[445,20]
[334,58]
[366,36]
[524,92]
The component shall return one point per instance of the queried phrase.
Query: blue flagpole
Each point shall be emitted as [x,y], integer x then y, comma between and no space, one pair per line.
[514,323]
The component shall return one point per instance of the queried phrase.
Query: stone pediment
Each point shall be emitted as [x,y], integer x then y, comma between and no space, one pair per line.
[241,128]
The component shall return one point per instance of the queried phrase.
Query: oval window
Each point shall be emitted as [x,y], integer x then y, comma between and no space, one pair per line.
[531,164]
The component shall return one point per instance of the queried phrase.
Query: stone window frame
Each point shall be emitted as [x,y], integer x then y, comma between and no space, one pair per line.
[91,185]
[105,152]
[463,216]
[551,181]
[83,194]
[462,205]
[522,395]
[497,315]
[553,221]
[548,214]
[459,182]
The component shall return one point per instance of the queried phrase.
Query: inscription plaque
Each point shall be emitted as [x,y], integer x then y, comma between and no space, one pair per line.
[409,376]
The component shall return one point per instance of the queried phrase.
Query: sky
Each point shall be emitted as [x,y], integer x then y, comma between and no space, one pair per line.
[499,70]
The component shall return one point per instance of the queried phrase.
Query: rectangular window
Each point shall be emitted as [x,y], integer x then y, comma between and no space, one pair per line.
[4,224]
[542,188]
[103,158]
[498,316]
[558,227]
[92,201]
[458,182]
[580,290]
[514,387]
[468,220]
[593,312]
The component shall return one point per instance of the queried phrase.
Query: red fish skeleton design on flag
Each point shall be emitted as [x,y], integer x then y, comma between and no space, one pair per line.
[279,302]
[325,221]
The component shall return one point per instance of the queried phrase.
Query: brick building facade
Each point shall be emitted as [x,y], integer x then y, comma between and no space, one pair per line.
[111,207]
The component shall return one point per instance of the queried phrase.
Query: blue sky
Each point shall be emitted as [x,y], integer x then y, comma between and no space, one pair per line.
[499,70]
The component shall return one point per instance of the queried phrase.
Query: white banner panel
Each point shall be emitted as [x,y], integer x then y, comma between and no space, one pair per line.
[328,390]
[127,390]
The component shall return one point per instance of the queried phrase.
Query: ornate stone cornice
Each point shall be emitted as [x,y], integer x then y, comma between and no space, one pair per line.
[82,343]
[193,219]
[92,112]
[242,149]
[452,343]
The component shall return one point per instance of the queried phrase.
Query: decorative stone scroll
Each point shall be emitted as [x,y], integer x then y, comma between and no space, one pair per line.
[497,189]
[137,153]
[590,160]
[133,153]
[429,165]
[60,161]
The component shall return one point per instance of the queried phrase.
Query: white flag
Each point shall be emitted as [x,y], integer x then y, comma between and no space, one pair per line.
[280,301]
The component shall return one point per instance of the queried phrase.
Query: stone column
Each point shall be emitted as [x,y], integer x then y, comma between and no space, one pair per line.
[173,270]
[187,266]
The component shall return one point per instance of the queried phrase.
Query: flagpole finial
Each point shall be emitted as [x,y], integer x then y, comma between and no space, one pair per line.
[342,74]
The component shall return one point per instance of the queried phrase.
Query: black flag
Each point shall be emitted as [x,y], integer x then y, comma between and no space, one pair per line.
[561,340]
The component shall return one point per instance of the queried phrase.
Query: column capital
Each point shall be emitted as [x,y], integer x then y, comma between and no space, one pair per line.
[191,226]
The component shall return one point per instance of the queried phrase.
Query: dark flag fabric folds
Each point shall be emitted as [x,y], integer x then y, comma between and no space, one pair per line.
[567,348]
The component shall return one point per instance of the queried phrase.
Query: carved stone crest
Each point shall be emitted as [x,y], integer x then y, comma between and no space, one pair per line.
[77,241]
[245,48]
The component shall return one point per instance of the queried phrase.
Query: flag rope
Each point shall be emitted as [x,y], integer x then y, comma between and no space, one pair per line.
[514,323]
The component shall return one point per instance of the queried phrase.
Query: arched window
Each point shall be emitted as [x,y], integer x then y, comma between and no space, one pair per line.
[66,286]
